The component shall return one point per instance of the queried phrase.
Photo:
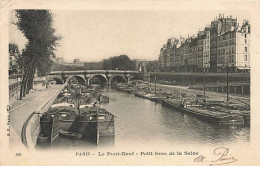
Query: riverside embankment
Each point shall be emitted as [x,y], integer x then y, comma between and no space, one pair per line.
[22,114]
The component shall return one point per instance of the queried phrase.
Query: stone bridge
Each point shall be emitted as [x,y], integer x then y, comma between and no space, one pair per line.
[85,76]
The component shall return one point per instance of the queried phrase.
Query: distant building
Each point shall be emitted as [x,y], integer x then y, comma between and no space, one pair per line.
[76,61]
[206,50]
[162,57]
[74,64]
[59,60]
[233,48]
[199,59]
[222,43]
[141,65]
[213,46]
[13,54]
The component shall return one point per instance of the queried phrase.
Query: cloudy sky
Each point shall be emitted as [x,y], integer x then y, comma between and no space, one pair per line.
[96,35]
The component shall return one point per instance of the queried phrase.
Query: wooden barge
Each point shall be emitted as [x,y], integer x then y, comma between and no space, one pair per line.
[148,96]
[205,114]
[77,113]
[90,123]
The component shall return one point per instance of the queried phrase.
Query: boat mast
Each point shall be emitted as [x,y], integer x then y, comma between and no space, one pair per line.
[150,85]
[97,114]
[204,87]
[227,82]
[155,84]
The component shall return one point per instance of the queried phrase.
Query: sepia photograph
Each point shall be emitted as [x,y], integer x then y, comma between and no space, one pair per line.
[163,85]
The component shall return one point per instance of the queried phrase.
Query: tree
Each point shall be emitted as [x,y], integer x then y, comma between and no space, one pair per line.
[152,66]
[36,25]
[121,62]
[106,64]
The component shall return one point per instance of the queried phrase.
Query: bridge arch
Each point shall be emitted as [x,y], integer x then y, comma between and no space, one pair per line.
[118,78]
[101,77]
[57,80]
[135,78]
[80,79]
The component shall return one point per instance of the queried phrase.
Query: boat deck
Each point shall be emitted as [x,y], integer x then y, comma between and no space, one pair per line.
[198,109]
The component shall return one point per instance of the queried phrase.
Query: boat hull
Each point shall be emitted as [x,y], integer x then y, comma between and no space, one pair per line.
[228,119]
[155,99]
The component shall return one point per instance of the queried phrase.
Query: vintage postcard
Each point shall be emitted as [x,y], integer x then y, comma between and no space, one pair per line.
[129,83]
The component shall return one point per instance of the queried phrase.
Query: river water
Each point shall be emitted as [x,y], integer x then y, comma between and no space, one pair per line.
[140,121]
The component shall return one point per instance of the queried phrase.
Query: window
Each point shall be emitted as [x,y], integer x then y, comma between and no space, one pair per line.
[245,35]
[245,58]
[245,49]
[245,41]
[232,49]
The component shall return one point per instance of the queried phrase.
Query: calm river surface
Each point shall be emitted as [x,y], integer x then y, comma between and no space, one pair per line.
[140,121]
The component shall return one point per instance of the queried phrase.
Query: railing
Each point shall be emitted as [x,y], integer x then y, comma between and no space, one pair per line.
[15,76]
[47,104]
[14,87]
[24,130]
[31,127]
[94,71]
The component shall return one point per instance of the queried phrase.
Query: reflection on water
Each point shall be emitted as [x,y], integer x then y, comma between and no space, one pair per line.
[141,121]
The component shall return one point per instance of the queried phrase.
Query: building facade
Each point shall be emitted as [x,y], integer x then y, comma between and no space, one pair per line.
[223,43]
[206,50]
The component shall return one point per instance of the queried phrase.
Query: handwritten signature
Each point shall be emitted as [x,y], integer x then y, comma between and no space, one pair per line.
[221,157]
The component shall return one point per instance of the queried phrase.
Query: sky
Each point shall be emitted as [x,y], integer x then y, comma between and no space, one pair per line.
[91,35]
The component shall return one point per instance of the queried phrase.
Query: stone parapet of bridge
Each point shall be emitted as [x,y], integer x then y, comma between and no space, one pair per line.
[84,77]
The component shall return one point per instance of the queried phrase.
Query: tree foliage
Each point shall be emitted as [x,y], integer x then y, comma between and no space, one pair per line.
[36,25]
[121,62]
[152,66]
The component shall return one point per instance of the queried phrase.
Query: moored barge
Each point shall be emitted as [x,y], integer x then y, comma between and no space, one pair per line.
[148,96]
[204,114]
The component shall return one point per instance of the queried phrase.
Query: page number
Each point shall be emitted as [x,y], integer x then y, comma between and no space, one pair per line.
[18,154]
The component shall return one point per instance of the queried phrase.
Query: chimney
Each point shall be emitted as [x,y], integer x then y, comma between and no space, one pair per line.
[246,28]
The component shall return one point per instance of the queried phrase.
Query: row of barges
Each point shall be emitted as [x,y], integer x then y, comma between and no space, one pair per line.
[78,113]
[213,111]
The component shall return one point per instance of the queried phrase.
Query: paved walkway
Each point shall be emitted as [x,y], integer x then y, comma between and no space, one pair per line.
[20,110]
